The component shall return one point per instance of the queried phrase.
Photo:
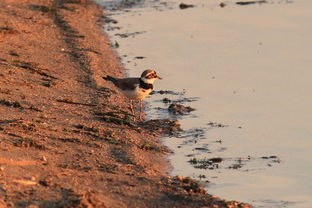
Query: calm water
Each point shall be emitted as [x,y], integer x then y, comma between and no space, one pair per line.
[248,68]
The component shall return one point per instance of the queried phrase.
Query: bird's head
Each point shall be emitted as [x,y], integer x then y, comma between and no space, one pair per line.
[149,76]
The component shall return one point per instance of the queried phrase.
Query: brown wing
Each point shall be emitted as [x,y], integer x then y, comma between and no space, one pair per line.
[127,83]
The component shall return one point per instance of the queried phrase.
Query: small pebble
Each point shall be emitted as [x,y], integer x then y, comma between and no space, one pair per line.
[222,4]
[179,178]
[214,196]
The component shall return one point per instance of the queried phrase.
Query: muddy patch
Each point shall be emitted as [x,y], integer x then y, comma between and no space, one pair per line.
[126,5]
[178,109]
[163,126]
[234,163]
[244,3]
[127,35]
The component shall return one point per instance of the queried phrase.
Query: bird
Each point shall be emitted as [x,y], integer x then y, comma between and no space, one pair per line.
[135,88]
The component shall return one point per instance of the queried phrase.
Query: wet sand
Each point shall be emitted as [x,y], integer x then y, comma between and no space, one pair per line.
[66,137]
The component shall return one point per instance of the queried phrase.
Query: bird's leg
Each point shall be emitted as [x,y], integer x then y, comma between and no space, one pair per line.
[131,107]
[141,105]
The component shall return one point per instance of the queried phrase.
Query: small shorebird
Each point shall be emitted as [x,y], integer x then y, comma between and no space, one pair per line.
[136,88]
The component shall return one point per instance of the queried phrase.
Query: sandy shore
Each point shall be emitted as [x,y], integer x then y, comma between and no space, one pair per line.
[66,137]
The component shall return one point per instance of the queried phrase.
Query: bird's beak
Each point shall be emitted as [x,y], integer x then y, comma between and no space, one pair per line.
[158,77]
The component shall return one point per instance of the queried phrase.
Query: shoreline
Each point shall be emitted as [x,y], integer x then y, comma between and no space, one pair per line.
[66,139]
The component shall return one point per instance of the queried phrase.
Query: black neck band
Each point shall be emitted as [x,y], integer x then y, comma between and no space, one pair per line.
[145,86]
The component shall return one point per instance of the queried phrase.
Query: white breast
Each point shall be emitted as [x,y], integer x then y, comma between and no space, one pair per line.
[137,93]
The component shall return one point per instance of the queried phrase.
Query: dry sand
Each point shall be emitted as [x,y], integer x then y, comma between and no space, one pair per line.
[66,139]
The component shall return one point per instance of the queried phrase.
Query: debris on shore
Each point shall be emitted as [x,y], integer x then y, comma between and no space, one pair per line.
[243,3]
[185,6]
[179,109]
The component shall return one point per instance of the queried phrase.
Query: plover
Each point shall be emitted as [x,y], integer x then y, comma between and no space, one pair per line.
[136,88]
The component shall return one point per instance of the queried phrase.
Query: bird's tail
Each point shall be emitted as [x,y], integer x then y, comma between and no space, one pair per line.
[109,78]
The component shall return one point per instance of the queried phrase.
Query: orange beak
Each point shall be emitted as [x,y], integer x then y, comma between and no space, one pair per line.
[158,77]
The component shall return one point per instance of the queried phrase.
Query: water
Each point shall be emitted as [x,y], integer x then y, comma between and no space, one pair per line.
[245,67]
